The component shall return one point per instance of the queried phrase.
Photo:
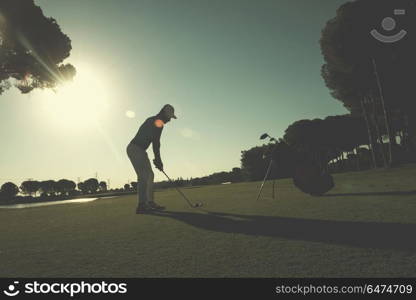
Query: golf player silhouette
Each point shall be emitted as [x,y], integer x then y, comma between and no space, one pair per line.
[149,133]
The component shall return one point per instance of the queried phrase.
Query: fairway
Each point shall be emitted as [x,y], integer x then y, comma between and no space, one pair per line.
[364,227]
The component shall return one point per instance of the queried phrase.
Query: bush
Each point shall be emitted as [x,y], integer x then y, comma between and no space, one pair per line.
[9,190]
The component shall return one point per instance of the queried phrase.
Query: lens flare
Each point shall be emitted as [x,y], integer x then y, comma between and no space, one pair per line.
[159,123]
[78,104]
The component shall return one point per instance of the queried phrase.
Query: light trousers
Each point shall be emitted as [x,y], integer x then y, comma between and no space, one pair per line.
[143,169]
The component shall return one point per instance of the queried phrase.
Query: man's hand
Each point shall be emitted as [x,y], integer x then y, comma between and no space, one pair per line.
[158,164]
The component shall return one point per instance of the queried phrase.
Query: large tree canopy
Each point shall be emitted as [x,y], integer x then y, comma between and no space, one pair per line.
[32,48]
[349,50]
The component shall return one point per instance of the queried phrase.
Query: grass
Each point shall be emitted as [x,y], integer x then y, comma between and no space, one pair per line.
[364,227]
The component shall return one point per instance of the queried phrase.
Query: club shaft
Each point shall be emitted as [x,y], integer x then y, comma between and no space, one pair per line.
[179,191]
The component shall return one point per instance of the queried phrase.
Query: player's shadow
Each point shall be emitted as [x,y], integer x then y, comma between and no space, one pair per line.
[389,193]
[358,234]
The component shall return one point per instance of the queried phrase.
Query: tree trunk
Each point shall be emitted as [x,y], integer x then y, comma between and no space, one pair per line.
[370,135]
[379,135]
[357,159]
[326,162]
[405,141]
[386,119]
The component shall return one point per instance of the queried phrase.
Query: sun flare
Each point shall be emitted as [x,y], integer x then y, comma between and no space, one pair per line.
[77,104]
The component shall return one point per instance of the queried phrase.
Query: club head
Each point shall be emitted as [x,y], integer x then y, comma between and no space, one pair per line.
[197,205]
[263,136]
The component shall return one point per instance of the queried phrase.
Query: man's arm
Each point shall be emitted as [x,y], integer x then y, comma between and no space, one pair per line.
[156,147]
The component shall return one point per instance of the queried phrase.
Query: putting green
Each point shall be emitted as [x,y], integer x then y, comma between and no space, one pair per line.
[364,227]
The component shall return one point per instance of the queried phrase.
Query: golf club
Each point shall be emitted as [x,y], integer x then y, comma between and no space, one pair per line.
[193,205]
[265,135]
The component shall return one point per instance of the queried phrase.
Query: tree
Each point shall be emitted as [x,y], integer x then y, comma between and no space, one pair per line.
[59,187]
[82,187]
[32,48]
[91,185]
[254,162]
[102,186]
[70,187]
[30,187]
[357,66]
[65,186]
[127,187]
[9,190]
[47,187]
[134,185]
[237,175]
[320,141]
[310,138]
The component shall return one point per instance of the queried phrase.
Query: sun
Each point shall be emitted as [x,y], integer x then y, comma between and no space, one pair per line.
[77,104]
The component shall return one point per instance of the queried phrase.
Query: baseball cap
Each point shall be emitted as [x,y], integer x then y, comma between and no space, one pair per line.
[169,111]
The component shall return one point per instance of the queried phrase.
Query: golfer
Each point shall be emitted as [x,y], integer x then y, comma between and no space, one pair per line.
[149,133]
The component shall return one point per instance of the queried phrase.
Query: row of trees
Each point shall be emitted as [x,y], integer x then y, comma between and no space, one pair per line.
[334,144]
[235,175]
[372,79]
[51,188]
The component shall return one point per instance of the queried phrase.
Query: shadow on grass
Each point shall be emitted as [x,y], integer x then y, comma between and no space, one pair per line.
[391,193]
[357,234]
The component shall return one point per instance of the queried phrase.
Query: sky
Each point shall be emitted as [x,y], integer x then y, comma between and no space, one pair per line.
[233,70]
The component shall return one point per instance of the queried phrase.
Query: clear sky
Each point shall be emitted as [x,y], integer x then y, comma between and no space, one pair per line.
[233,69]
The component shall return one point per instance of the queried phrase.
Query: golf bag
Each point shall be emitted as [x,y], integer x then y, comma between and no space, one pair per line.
[306,174]
[311,180]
